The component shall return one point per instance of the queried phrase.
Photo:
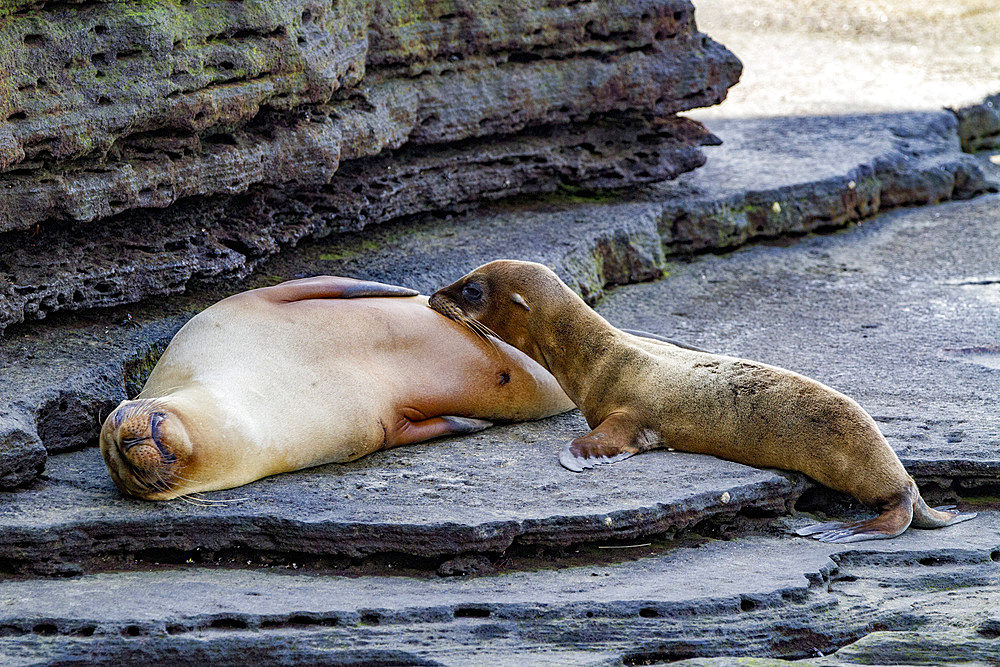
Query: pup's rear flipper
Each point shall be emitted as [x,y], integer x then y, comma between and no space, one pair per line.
[938,517]
[889,524]
[854,531]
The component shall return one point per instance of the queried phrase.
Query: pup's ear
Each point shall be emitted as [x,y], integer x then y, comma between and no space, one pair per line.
[519,300]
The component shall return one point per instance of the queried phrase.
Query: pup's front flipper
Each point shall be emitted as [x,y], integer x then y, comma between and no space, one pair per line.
[618,437]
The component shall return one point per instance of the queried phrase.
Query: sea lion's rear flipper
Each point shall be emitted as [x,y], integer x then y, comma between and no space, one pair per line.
[910,510]
[616,438]
[938,517]
[332,287]
[407,432]
[888,524]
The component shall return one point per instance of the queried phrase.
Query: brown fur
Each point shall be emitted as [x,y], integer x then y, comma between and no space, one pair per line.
[637,394]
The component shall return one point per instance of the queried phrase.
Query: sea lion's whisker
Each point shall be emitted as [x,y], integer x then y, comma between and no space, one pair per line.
[175,476]
[485,329]
[453,312]
[191,501]
[163,483]
[485,333]
[149,479]
[216,501]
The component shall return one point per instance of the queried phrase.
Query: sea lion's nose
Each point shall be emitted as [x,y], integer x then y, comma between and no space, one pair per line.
[129,443]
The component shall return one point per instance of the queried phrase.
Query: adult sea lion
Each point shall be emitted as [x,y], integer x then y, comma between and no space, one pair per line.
[638,394]
[307,372]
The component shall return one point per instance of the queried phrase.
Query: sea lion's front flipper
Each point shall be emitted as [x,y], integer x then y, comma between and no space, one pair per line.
[332,287]
[407,431]
[615,439]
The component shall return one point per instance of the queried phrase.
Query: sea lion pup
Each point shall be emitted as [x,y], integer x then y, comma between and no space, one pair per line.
[638,394]
[307,372]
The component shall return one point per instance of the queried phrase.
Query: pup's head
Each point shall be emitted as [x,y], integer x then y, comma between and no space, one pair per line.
[501,298]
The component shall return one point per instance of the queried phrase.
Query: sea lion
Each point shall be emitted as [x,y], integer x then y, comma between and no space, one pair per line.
[638,394]
[308,372]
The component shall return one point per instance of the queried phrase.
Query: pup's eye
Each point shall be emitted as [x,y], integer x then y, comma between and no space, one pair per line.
[472,292]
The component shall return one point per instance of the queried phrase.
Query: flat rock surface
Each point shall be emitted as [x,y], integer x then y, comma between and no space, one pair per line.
[648,606]
[476,494]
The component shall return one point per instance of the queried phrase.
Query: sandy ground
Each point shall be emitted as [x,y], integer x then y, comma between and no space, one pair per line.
[819,57]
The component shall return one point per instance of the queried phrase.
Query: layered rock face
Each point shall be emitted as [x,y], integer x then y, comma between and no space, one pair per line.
[144,146]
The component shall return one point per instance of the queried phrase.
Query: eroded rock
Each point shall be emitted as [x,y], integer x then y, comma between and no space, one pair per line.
[156,252]
[22,456]
[979,125]
[231,120]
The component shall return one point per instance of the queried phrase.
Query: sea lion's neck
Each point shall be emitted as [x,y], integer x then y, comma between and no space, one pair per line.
[568,335]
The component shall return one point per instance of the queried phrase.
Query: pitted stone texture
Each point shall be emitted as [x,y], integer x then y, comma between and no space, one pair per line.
[161,252]
[82,81]
[979,125]
[479,494]
[633,606]
[22,456]
[231,119]
[269,148]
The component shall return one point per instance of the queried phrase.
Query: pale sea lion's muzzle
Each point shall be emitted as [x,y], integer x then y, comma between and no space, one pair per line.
[134,444]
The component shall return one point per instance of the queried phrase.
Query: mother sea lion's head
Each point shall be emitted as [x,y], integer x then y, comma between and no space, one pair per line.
[147,449]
